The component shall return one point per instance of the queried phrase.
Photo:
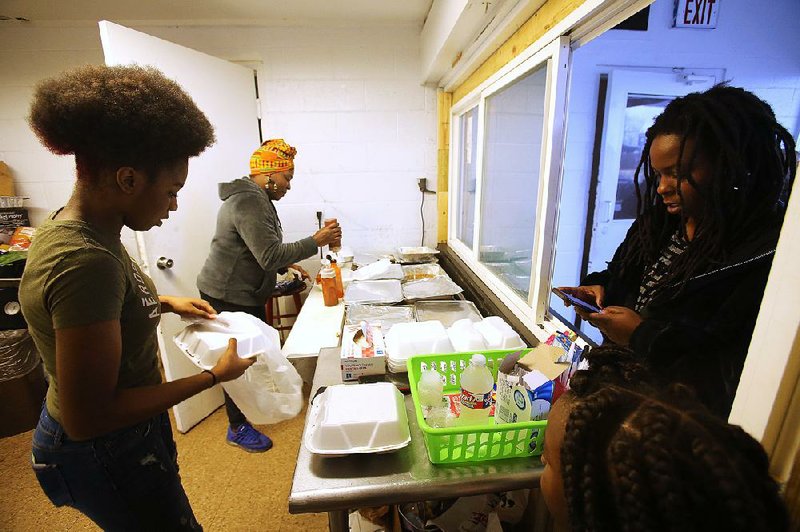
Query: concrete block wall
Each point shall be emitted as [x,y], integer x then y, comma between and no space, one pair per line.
[29,53]
[349,99]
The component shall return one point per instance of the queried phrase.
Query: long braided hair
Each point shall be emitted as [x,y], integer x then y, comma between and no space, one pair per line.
[639,459]
[752,161]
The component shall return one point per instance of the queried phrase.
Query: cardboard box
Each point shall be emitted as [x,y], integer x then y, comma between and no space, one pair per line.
[6,181]
[363,351]
[527,389]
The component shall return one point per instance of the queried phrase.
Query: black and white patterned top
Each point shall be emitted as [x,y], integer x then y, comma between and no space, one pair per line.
[654,276]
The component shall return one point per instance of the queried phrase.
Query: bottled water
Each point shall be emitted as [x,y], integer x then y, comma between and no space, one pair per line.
[430,388]
[431,398]
[476,392]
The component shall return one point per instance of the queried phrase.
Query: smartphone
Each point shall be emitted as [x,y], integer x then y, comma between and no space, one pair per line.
[567,298]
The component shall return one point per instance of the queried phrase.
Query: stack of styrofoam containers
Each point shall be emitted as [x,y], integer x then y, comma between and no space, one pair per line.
[465,337]
[414,338]
[498,334]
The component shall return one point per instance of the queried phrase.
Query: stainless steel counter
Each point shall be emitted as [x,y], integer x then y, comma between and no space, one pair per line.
[336,485]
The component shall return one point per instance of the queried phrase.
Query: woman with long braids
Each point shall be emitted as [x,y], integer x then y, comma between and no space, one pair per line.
[684,288]
[621,455]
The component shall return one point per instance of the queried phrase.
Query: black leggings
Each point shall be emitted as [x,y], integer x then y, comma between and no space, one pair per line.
[235,416]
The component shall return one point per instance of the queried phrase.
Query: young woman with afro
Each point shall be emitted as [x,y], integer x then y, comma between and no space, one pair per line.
[104,443]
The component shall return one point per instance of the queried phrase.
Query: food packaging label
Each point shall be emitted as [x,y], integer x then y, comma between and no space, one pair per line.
[527,385]
[363,351]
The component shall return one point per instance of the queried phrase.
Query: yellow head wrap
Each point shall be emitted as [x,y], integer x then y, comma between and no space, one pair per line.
[272,156]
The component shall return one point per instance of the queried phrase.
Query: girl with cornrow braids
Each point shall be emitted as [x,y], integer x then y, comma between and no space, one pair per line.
[623,455]
[684,288]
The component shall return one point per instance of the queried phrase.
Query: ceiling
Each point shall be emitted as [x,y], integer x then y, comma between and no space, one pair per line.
[217,12]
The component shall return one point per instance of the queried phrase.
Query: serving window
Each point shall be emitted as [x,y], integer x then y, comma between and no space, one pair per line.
[506,145]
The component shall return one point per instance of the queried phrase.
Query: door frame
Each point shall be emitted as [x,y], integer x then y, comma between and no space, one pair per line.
[186,234]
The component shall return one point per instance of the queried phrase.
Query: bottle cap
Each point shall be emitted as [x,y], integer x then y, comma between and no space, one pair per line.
[327,272]
[478,359]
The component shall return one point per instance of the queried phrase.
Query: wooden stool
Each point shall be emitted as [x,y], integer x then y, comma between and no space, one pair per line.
[273,308]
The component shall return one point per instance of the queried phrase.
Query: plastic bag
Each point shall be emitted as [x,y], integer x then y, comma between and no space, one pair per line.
[382,269]
[270,390]
[18,355]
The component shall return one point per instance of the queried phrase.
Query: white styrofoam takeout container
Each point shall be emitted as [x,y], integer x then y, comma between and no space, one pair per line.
[498,334]
[415,338]
[465,337]
[204,341]
[357,419]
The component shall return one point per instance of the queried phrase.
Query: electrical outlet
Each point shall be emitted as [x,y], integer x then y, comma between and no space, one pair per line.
[422,183]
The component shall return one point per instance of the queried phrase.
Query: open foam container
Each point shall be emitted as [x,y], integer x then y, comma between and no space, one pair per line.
[357,419]
[204,341]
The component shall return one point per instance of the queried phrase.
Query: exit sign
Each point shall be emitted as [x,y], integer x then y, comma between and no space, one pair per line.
[696,13]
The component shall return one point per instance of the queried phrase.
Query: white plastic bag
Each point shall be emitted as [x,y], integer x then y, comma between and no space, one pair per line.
[270,390]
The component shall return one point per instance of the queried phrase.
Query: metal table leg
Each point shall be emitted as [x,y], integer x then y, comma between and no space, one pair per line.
[338,521]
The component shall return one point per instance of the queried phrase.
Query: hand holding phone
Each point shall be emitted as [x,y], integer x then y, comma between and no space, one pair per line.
[569,299]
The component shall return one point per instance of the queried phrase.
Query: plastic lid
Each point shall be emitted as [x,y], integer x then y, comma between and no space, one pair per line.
[478,359]
[327,272]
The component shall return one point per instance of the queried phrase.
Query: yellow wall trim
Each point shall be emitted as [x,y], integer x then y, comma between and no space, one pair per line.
[444,103]
[552,12]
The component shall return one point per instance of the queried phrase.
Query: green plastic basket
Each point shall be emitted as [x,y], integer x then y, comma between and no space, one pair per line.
[473,443]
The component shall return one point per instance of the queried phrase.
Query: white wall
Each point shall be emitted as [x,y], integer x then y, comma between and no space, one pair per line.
[29,53]
[348,98]
[759,51]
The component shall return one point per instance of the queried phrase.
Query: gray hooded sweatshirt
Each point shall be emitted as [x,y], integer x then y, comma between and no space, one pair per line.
[247,249]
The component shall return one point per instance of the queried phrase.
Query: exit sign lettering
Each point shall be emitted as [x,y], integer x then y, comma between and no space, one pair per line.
[696,13]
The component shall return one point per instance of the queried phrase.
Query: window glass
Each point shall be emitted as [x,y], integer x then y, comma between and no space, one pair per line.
[640,112]
[468,174]
[513,146]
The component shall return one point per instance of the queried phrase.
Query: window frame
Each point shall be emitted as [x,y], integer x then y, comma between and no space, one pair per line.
[555,56]
[762,405]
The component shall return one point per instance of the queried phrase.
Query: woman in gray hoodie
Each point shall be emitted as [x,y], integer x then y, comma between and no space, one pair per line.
[248,251]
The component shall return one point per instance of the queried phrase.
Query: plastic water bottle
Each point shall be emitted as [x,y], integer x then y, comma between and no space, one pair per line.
[476,392]
[431,398]
[430,388]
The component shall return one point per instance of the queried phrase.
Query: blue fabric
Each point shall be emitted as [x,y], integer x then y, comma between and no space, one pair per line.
[125,480]
[249,439]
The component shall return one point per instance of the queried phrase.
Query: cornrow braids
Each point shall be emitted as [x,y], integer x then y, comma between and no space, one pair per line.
[753,164]
[640,458]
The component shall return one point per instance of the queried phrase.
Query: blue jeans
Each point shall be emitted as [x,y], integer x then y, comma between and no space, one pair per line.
[125,480]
